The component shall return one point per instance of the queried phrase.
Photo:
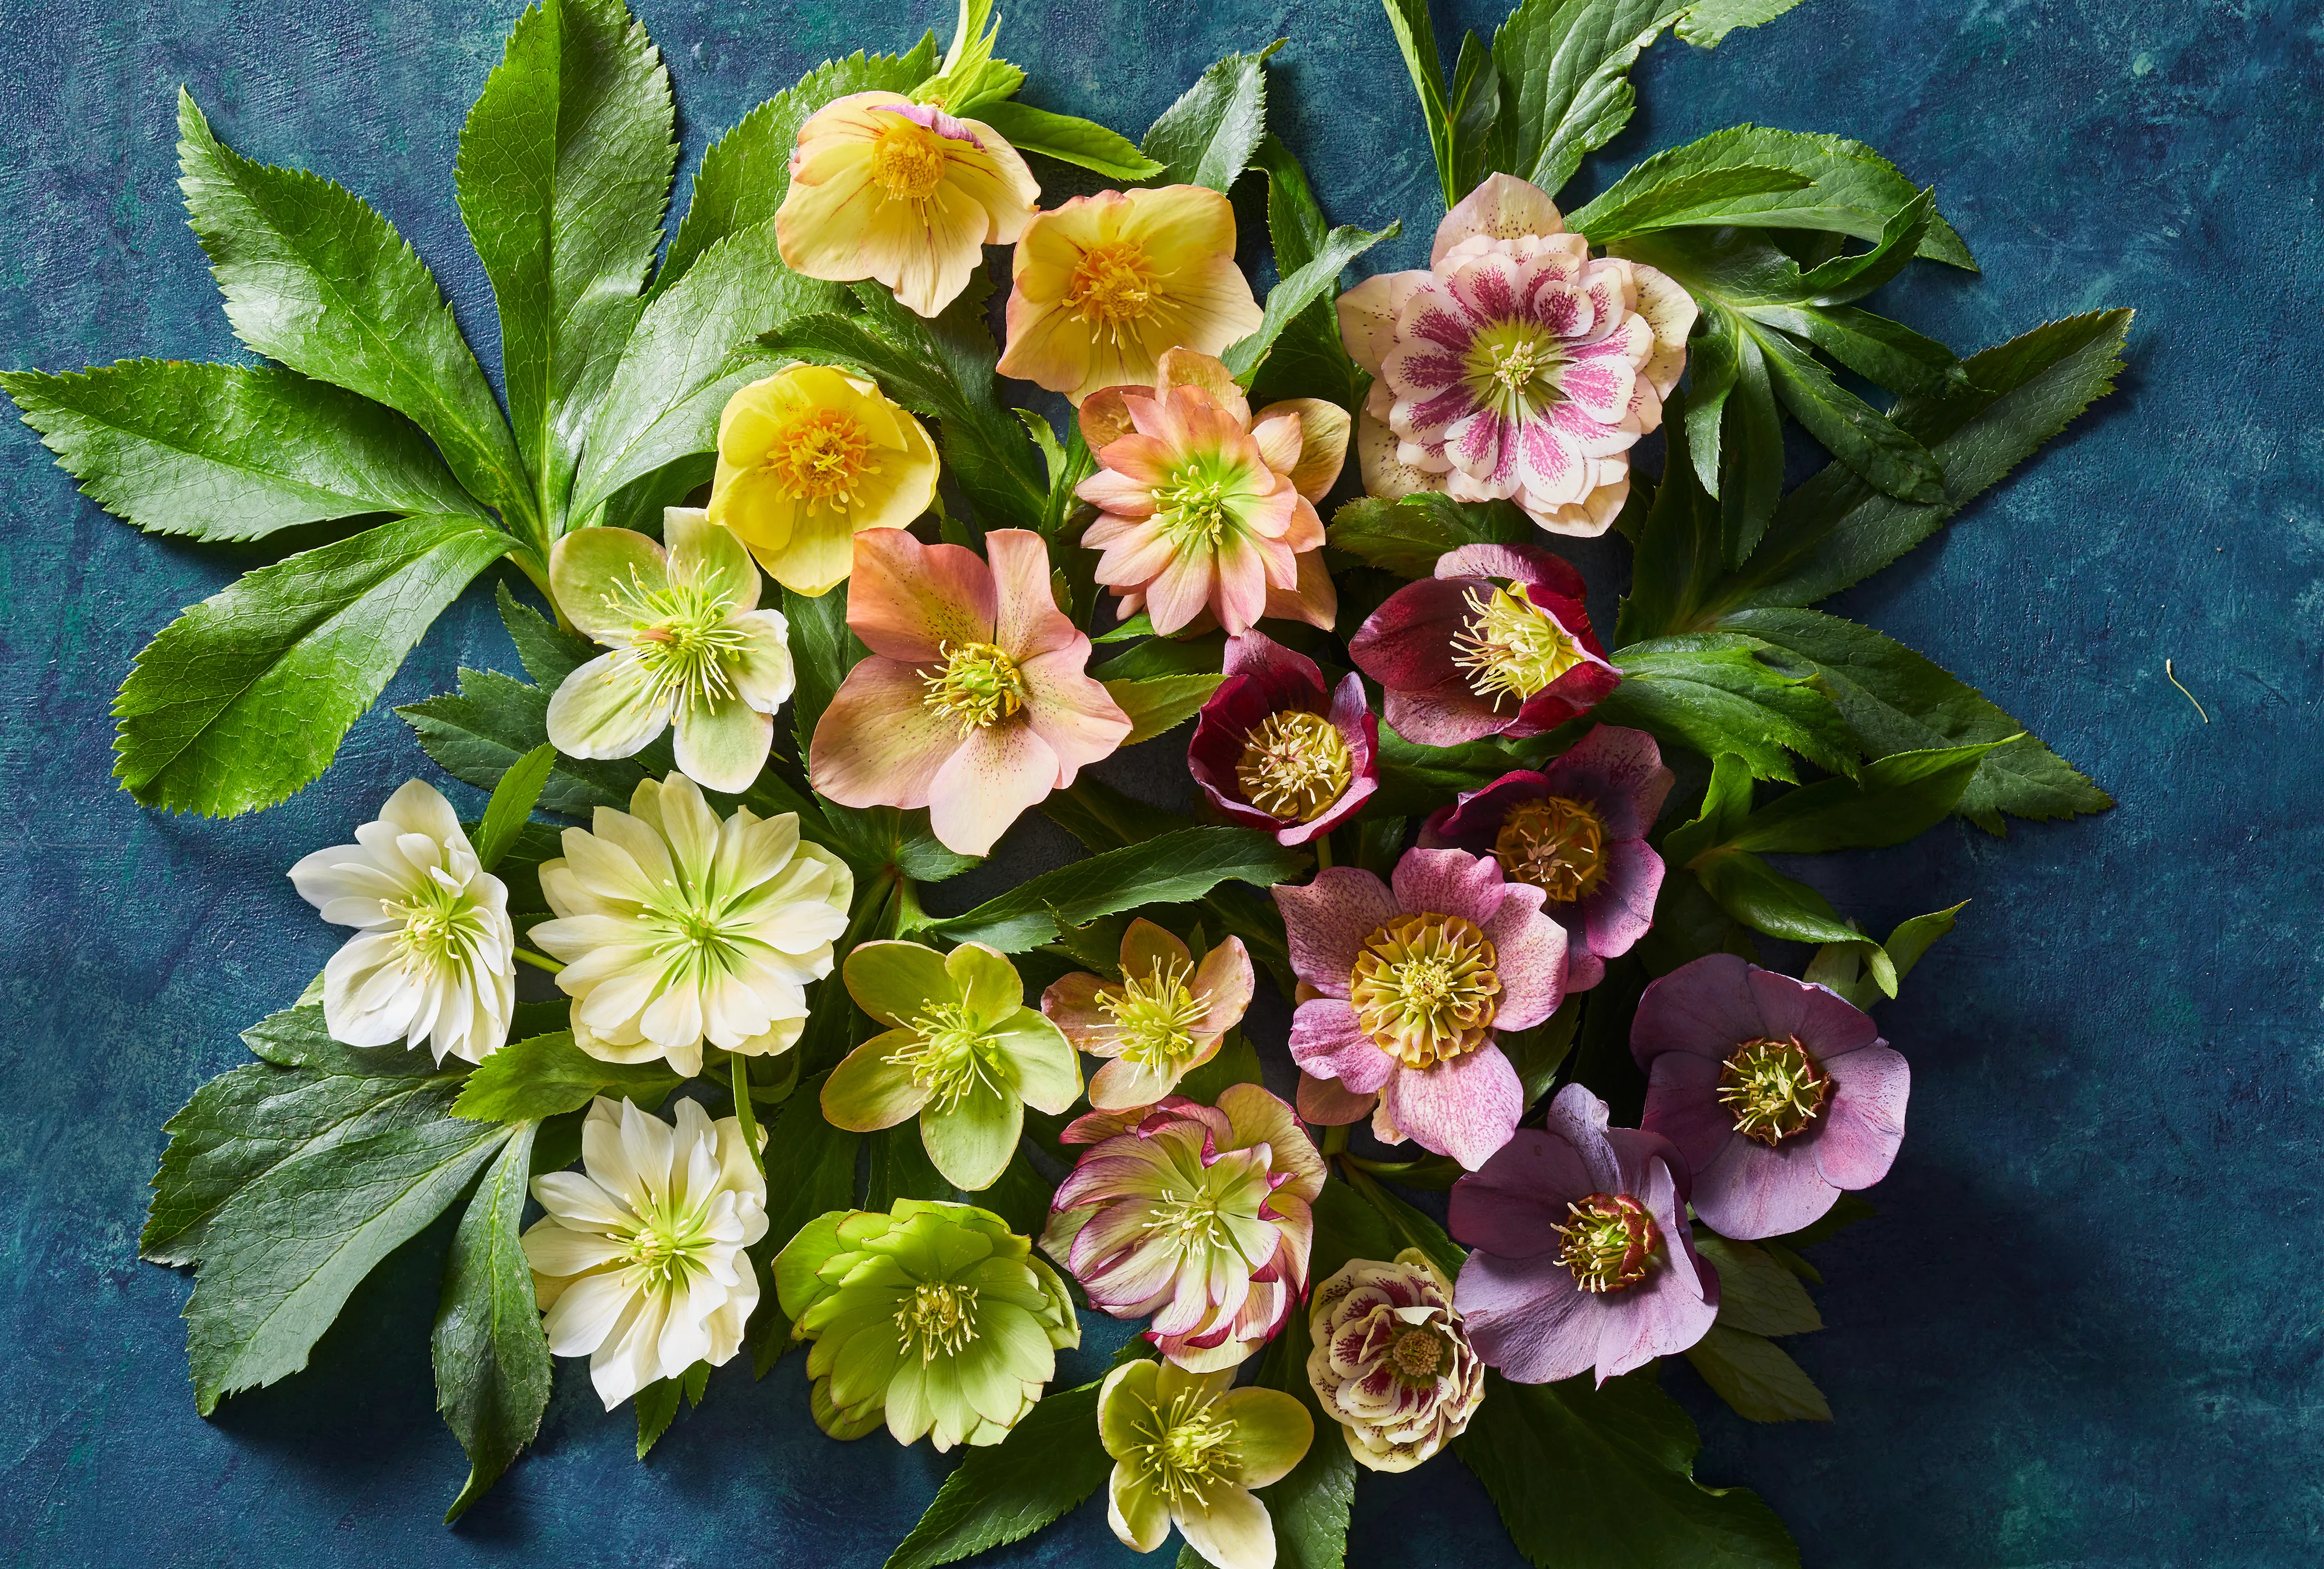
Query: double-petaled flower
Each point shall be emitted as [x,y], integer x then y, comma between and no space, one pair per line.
[1273,748]
[1392,1363]
[1161,1020]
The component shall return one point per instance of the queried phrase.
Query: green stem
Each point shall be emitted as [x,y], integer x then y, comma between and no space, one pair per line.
[1322,847]
[910,917]
[539,962]
[744,1113]
[1336,1141]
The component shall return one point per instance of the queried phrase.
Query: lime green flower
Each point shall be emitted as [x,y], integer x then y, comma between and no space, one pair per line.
[962,1053]
[934,1316]
[1188,1450]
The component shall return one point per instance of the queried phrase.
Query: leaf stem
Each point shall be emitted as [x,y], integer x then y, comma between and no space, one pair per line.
[539,962]
[910,917]
[745,1114]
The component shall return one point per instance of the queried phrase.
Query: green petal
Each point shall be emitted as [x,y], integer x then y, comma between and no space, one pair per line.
[865,1365]
[1135,1509]
[971,1143]
[1272,1433]
[837,1423]
[1122,1401]
[722,745]
[795,1286]
[1041,1063]
[986,980]
[991,1389]
[952,1419]
[909,1410]
[602,709]
[866,1091]
[708,556]
[892,981]
[1230,1529]
[586,565]
[1018,1339]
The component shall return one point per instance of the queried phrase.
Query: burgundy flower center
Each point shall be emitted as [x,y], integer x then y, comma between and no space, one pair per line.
[1425,989]
[1418,1354]
[908,161]
[1556,844]
[1774,1089]
[1609,1242]
[1295,764]
[1510,647]
[1112,286]
[977,684]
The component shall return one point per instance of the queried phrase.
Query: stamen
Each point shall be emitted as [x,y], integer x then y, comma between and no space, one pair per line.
[947,1055]
[680,637]
[441,930]
[1418,1354]
[1774,1088]
[979,686]
[1556,844]
[821,458]
[1510,647]
[1112,287]
[1194,508]
[1294,766]
[1514,371]
[938,1320]
[1155,1015]
[1609,1242]
[1425,988]
[1185,1449]
[908,161]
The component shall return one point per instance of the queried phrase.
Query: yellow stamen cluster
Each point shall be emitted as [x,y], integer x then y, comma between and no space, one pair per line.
[1113,285]
[680,637]
[821,458]
[1609,1242]
[1510,647]
[946,1055]
[1417,1355]
[1774,1088]
[440,928]
[1425,989]
[938,1320]
[1556,844]
[1194,507]
[1154,1015]
[1184,1449]
[1294,765]
[978,685]
[908,161]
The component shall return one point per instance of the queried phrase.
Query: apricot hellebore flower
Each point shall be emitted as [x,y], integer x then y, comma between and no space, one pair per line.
[1514,367]
[1203,506]
[1392,1364]
[1103,284]
[1273,748]
[1188,1450]
[962,1053]
[974,701]
[691,646]
[1164,1019]
[933,1317]
[1779,1094]
[887,189]
[807,459]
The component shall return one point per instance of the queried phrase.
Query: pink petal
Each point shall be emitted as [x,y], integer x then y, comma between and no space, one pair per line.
[906,599]
[1864,1123]
[1450,882]
[1466,1108]
[988,783]
[1327,921]
[1501,208]
[1074,714]
[1325,1041]
[879,743]
[1704,1008]
[1026,622]
[1330,1102]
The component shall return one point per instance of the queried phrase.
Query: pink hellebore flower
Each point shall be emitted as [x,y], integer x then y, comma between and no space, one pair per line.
[1778,1093]
[1197,1215]
[1411,983]
[1583,1254]
[1203,505]
[974,701]
[1496,643]
[1163,1020]
[1577,830]
[1273,748]
[1514,367]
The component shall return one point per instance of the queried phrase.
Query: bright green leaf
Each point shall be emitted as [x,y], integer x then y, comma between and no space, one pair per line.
[510,807]
[1318,280]
[1688,196]
[1050,1462]
[530,1079]
[1162,703]
[492,1359]
[1208,136]
[1709,20]
[1171,869]
[1717,693]
[1407,536]
[1069,140]
[1565,88]
[1766,900]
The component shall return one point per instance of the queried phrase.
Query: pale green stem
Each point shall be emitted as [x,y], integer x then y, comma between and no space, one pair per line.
[539,962]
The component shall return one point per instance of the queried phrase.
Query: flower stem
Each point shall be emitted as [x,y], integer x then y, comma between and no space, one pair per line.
[910,917]
[1323,844]
[539,962]
[1336,1141]
[744,1113]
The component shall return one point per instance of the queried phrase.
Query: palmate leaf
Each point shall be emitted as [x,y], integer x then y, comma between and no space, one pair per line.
[1208,136]
[1565,88]
[231,452]
[1168,869]
[491,1357]
[243,699]
[479,733]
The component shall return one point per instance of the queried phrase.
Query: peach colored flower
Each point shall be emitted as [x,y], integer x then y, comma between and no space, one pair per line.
[1163,1020]
[974,701]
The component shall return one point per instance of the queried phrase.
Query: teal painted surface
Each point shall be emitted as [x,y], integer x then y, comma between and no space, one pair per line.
[2084,1329]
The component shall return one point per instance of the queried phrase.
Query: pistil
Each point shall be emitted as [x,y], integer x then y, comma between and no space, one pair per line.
[1609,1242]
[1155,1014]
[1556,844]
[938,1320]
[1772,1088]
[1294,765]
[946,1054]
[978,685]
[1510,647]
[1112,287]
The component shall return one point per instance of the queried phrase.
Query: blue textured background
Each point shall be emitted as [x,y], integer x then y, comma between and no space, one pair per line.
[2083,1329]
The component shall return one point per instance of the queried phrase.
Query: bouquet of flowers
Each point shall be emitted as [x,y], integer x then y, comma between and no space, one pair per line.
[818,613]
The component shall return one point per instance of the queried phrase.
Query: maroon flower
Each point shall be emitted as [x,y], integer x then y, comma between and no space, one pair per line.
[1577,830]
[1777,1094]
[1496,643]
[1585,1258]
[1275,749]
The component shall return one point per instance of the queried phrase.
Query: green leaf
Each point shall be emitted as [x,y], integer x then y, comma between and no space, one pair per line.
[547,653]
[316,278]
[1852,430]
[1474,110]
[492,1359]
[1068,139]
[823,651]
[1629,1449]
[1756,1376]
[243,699]
[1766,900]
[1347,1227]
[1688,196]
[1101,817]
[1406,537]
[510,807]
[1236,1062]
[1756,1294]
[897,1166]
[746,173]
[1050,1462]
[1171,869]
[1565,88]
[1295,225]
[1679,557]
[1415,40]
[1893,798]
[656,1406]
[478,734]
[1537,1052]
[230,452]
[526,1080]
[1307,360]
[1874,347]
[1844,279]
[1310,1506]
[1318,280]
[1162,656]
[969,71]
[810,1171]
[1416,779]
[1708,21]
[1721,692]
[1208,136]
[1162,703]
[1725,802]
[1915,937]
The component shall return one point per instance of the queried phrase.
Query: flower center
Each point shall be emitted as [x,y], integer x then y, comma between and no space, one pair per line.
[1609,1242]
[1194,507]
[1514,371]
[1774,1088]
[662,1248]
[1510,646]
[821,457]
[1424,990]
[938,1320]
[440,926]
[1112,286]
[1556,844]
[979,686]
[908,161]
[1295,764]
[680,639]
[1193,1223]
[1186,1448]
[946,1054]
[1417,1355]
[1155,1015]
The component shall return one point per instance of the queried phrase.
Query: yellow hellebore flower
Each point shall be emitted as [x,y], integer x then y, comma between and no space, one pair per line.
[1107,282]
[807,459]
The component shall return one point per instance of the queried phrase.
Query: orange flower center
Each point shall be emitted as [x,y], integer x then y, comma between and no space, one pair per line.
[1557,844]
[1113,285]
[821,457]
[908,161]
[1425,988]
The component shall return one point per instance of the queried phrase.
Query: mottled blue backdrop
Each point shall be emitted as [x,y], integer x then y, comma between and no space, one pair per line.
[2083,1329]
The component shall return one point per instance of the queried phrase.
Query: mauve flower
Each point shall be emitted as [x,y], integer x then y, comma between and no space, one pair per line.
[1583,1254]
[975,701]
[1199,1216]
[1412,982]
[1164,1019]
[1496,643]
[1515,366]
[1778,1093]
[1392,1363]
[1577,830]
[1275,748]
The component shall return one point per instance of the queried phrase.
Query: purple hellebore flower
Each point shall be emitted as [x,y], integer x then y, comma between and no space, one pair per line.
[1496,643]
[1777,1092]
[1275,749]
[1583,1255]
[1578,831]
[1411,984]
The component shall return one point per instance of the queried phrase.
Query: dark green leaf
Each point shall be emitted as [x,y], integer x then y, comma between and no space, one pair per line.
[1716,693]
[492,1359]
[1473,111]
[1309,1507]
[1347,1227]
[1752,487]
[478,734]
[1537,1052]
[510,807]
[1416,779]
[1157,657]
[526,1080]
[1406,537]
[1756,1295]
[823,651]
[547,654]
[1893,798]
[1069,140]
[1413,1229]
[1161,703]
[1756,1376]
[1766,900]
[1208,136]
[1852,430]
[1688,196]
[1565,88]
[1415,40]
[1295,225]
[899,1167]
[1849,1209]
[1726,803]
[1237,1062]
[1050,1462]
[1318,280]
[810,1172]
[1874,347]
[1845,279]
[1104,818]
[1689,924]
[1678,558]
[1169,869]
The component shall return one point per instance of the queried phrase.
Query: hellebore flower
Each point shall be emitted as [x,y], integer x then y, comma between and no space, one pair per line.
[1199,1216]
[639,1264]
[689,646]
[884,187]
[1188,1450]
[1779,1094]
[1584,1256]
[1496,643]
[975,701]
[1202,505]
[807,459]
[962,1053]
[1392,1363]
[934,1317]
[1273,748]
[1577,831]
[677,928]
[1412,982]
[434,957]
[1515,366]
[1164,1019]
[1104,283]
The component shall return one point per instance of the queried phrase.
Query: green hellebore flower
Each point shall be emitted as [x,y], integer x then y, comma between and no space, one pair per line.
[934,1316]
[962,1053]
[1188,1449]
